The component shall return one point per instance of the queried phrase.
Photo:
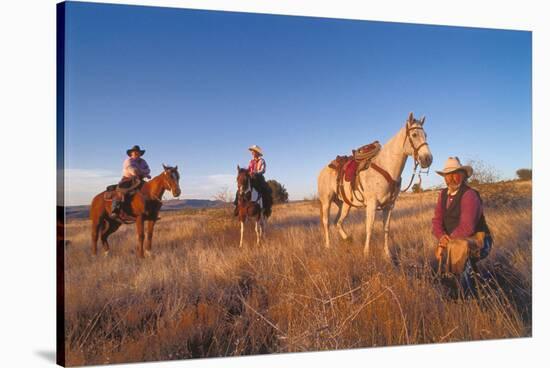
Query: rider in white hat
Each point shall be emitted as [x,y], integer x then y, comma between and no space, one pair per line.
[459,221]
[257,164]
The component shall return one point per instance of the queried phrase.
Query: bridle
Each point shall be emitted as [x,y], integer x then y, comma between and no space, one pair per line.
[408,135]
[408,130]
[166,183]
[248,189]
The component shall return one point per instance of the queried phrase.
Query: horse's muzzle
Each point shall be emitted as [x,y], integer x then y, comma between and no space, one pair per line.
[177,192]
[425,161]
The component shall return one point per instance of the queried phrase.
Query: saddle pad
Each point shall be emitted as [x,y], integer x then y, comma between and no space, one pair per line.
[350,170]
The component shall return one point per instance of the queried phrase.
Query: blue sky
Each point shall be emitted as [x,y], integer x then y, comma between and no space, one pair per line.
[196,88]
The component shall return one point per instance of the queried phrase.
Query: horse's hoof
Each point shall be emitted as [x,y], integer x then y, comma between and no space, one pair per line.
[348,240]
[105,253]
[148,254]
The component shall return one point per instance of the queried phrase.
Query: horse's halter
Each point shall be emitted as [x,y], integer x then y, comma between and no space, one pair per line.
[168,182]
[248,187]
[410,128]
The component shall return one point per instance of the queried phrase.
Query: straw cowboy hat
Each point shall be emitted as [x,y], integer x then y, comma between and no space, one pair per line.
[135,148]
[256,149]
[453,164]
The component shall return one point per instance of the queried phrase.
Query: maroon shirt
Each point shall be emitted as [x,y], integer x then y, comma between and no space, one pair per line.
[470,213]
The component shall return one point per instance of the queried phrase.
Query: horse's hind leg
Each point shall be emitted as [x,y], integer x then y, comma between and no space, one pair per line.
[344,211]
[325,213]
[96,228]
[110,228]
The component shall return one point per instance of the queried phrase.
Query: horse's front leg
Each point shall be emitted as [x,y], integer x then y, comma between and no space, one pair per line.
[370,211]
[242,234]
[140,236]
[387,216]
[149,237]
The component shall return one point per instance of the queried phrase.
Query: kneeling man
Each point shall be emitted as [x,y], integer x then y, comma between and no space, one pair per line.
[459,223]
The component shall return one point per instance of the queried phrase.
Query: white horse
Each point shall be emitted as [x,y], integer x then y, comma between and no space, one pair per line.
[378,186]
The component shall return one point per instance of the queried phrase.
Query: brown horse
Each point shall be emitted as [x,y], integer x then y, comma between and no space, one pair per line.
[144,207]
[249,204]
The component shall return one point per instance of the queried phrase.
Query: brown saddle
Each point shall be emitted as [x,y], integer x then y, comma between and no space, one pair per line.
[123,192]
[127,187]
[357,162]
[348,167]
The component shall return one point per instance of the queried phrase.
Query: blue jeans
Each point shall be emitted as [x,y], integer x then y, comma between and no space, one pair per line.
[466,278]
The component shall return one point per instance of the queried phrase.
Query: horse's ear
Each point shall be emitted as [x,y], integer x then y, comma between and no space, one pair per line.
[164,166]
[238,168]
[176,167]
[422,120]
[411,118]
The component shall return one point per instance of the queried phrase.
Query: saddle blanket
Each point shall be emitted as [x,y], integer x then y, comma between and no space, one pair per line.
[350,169]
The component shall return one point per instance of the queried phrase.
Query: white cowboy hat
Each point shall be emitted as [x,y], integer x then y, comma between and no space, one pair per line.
[256,149]
[453,164]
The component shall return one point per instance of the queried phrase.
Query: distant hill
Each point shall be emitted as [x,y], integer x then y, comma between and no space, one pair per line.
[80,212]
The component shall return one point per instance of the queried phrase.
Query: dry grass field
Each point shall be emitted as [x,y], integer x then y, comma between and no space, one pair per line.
[202,296]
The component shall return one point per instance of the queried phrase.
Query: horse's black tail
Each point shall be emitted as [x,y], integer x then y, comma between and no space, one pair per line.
[267,201]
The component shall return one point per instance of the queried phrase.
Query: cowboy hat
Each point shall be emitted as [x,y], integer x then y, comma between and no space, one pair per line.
[256,149]
[135,148]
[453,164]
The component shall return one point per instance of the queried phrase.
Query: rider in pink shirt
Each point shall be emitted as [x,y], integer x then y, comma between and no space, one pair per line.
[256,168]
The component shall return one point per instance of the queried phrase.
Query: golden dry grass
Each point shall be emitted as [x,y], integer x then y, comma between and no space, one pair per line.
[202,296]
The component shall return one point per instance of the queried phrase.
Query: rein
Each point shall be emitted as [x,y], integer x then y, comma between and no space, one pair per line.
[415,156]
[158,197]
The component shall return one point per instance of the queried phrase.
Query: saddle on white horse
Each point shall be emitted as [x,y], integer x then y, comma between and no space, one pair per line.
[348,167]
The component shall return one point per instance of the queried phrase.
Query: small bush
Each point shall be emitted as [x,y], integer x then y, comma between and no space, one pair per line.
[280,195]
[416,188]
[524,174]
